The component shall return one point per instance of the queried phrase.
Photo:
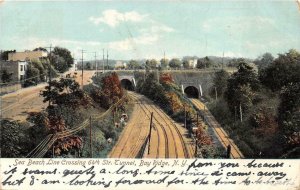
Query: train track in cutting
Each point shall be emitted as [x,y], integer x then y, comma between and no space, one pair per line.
[158,126]
[182,142]
[172,128]
[210,120]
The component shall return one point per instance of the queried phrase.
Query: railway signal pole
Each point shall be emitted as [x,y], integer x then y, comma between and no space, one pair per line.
[149,136]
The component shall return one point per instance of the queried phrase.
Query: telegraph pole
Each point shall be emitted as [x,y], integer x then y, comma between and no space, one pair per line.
[91,150]
[103,62]
[96,64]
[150,132]
[241,113]
[184,117]
[82,51]
[49,72]
[196,147]
[216,93]
[223,61]
[107,59]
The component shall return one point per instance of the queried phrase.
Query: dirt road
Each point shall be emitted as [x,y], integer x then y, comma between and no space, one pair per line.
[168,139]
[16,105]
[219,131]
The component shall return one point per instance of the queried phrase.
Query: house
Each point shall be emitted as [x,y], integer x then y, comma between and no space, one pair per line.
[26,55]
[120,65]
[16,68]
[192,63]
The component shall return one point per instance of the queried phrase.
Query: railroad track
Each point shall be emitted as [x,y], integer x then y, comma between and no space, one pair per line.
[171,128]
[182,142]
[158,127]
[219,131]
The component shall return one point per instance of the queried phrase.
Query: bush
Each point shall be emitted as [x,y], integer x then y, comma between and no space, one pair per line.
[15,140]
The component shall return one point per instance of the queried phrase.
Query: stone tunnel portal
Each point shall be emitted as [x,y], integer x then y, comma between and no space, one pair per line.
[127,84]
[191,92]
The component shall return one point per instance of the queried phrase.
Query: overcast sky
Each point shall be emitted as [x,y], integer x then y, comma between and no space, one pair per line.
[135,30]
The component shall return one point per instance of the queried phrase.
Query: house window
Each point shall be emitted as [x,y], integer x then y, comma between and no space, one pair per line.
[21,76]
[21,68]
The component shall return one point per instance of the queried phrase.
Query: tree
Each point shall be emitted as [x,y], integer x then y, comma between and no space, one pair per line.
[5,76]
[164,63]
[59,63]
[88,66]
[111,90]
[32,75]
[40,49]
[204,63]
[4,54]
[39,65]
[175,63]
[133,64]
[284,70]
[65,92]
[65,54]
[264,60]
[220,82]
[151,64]
[186,64]
[13,139]
[241,87]
[289,114]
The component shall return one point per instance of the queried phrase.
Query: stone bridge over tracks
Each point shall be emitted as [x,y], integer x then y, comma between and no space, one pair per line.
[192,83]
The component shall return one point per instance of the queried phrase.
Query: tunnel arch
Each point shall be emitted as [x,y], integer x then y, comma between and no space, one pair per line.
[191,92]
[127,84]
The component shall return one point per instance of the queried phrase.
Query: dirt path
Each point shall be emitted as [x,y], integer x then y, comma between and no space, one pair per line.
[219,131]
[167,140]
[16,105]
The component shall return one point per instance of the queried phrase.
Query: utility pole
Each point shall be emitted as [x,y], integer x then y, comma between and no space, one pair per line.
[216,93]
[91,152]
[103,62]
[197,119]
[107,59]
[196,148]
[185,117]
[82,51]
[165,59]
[223,61]
[49,72]
[96,65]
[241,113]
[149,136]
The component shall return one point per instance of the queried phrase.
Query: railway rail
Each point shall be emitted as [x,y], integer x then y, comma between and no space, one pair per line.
[219,131]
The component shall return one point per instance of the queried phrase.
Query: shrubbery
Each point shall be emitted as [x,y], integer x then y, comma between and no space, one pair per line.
[270,107]
[167,95]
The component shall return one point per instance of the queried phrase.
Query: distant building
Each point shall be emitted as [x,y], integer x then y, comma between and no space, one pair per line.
[16,68]
[26,55]
[75,65]
[192,63]
[120,65]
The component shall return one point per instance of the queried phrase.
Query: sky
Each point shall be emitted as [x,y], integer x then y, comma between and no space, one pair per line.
[147,29]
